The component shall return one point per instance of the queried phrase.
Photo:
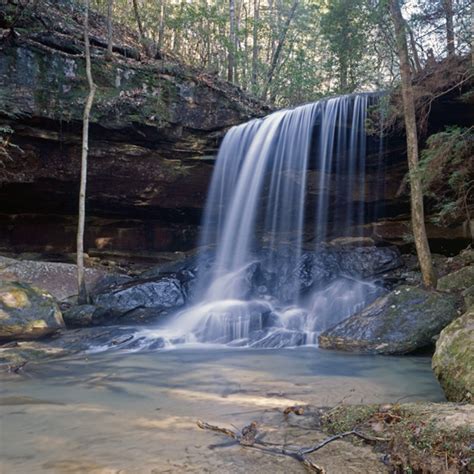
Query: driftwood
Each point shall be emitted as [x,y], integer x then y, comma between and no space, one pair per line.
[248,438]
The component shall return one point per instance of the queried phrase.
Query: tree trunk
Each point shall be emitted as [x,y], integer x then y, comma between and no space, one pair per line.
[256,18]
[139,21]
[161,27]
[108,55]
[82,290]
[281,42]
[231,52]
[416,194]
[448,10]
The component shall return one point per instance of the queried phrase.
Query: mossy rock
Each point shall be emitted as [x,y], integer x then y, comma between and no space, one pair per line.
[468,295]
[459,280]
[453,361]
[407,319]
[27,312]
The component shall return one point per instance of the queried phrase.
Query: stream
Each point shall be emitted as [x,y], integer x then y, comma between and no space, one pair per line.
[115,412]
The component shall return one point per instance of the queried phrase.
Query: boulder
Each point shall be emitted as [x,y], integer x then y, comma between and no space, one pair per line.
[140,300]
[458,280]
[27,312]
[58,279]
[403,321]
[365,262]
[468,295]
[453,360]
[82,316]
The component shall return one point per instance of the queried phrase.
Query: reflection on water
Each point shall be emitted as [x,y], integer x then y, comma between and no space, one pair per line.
[114,412]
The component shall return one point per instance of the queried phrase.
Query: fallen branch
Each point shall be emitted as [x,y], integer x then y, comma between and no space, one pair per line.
[299,454]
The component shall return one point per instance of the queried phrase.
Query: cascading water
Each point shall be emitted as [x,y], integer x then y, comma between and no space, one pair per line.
[295,174]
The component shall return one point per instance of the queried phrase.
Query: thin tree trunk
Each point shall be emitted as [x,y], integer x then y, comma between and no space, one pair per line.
[82,290]
[108,55]
[256,18]
[139,21]
[416,194]
[448,9]
[161,27]
[231,52]
[281,42]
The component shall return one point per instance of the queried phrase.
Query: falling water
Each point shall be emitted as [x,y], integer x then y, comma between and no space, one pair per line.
[277,180]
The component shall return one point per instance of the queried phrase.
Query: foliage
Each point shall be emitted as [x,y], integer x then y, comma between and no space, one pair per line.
[447,172]
[329,47]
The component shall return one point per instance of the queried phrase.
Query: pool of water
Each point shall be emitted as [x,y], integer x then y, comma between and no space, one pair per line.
[118,412]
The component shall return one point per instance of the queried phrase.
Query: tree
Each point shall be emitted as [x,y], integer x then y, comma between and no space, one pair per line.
[416,194]
[108,55]
[232,42]
[82,290]
[277,51]
[141,35]
[448,12]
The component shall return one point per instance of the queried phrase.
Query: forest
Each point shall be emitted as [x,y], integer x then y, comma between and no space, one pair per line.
[293,52]
[236,236]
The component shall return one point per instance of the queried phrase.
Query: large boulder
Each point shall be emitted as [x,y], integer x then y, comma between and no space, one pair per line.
[406,319]
[453,360]
[27,312]
[58,279]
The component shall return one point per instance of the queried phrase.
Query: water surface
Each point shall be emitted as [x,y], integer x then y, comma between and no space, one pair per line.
[137,412]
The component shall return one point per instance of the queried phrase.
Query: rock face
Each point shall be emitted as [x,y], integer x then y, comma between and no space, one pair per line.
[405,320]
[27,312]
[155,125]
[453,360]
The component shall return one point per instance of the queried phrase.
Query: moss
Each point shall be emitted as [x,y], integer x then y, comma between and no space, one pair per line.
[14,298]
[347,417]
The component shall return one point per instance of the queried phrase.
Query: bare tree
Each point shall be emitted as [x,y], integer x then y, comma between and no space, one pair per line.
[256,18]
[279,46]
[141,35]
[416,194]
[448,11]
[232,43]
[82,290]
[108,55]
[161,28]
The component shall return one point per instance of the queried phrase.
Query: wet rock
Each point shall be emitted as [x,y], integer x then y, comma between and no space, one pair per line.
[19,352]
[459,280]
[27,312]
[364,262]
[140,300]
[453,360]
[406,319]
[281,338]
[82,316]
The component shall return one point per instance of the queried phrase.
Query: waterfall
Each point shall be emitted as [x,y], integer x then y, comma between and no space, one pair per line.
[282,186]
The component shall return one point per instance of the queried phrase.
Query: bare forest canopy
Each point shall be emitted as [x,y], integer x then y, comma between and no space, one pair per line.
[293,51]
